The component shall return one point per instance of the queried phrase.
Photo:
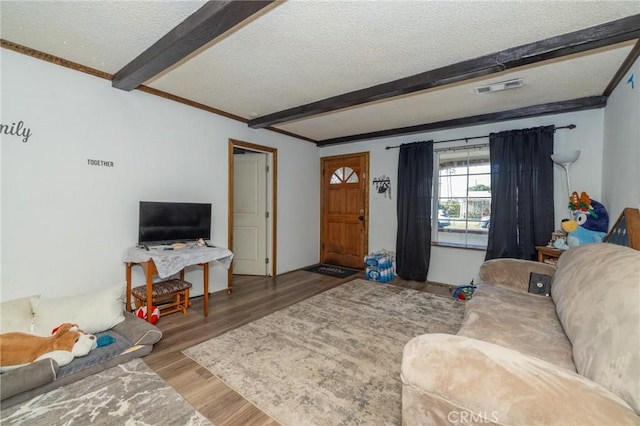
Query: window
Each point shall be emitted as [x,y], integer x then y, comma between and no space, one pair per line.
[462,196]
[343,175]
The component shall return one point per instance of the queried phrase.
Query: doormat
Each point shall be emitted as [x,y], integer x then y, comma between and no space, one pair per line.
[333,271]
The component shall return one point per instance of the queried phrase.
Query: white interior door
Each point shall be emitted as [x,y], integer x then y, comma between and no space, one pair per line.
[250,214]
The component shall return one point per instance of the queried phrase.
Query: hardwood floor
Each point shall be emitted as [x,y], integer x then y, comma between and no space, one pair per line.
[252,298]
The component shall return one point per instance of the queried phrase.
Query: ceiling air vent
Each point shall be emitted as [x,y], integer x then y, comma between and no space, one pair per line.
[496,87]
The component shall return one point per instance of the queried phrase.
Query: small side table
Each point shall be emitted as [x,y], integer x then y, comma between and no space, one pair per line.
[150,269]
[548,254]
[165,263]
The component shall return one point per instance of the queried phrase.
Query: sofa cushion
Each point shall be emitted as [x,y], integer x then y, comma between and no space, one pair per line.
[93,312]
[456,380]
[16,315]
[596,290]
[521,321]
[512,273]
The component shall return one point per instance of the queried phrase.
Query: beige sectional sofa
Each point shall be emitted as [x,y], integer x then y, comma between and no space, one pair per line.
[523,359]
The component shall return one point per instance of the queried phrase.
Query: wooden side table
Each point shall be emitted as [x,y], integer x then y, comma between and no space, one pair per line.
[150,270]
[166,262]
[548,254]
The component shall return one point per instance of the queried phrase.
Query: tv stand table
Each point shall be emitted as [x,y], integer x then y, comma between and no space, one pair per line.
[165,262]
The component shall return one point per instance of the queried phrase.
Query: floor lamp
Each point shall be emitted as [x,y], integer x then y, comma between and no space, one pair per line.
[565,159]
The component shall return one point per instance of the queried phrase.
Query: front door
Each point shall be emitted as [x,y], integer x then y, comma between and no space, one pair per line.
[344,202]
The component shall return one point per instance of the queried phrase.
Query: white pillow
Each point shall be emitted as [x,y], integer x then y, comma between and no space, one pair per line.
[16,315]
[93,312]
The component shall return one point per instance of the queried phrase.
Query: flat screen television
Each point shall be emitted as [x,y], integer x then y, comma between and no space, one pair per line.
[167,222]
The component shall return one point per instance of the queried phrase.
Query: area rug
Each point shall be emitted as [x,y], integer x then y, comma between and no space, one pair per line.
[128,394]
[333,359]
[333,271]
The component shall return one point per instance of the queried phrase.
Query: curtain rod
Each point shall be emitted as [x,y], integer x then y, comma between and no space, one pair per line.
[570,126]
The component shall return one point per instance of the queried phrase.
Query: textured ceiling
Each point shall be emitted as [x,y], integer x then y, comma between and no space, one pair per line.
[298,52]
[544,83]
[105,35]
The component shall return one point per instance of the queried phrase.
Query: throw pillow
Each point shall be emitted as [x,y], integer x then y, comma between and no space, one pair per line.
[16,315]
[93,312]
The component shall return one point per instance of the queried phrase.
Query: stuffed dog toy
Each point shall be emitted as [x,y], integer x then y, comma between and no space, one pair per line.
[589,224]
[67,342]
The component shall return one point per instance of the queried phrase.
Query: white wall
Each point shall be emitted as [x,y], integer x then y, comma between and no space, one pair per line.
[621,160]
[459,266]
[66,224]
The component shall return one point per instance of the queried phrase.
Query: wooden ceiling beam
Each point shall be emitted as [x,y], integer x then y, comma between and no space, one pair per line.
[210,21]
[592,102]
[578,41]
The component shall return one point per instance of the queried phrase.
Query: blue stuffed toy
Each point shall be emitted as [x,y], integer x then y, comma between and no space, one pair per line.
[105,340]
[589,224]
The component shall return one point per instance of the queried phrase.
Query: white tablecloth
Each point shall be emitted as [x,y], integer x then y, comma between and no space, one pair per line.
[169,262]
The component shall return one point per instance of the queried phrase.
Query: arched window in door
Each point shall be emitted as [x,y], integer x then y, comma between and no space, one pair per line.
[344,175]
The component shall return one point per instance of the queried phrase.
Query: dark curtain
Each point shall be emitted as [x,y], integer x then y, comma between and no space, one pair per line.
[413,241]
[521,192]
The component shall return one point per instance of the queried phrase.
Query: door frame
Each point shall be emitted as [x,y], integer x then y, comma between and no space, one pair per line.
[272,153]
[366,199]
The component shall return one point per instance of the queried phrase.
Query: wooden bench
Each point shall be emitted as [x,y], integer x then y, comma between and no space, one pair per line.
[169,296]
